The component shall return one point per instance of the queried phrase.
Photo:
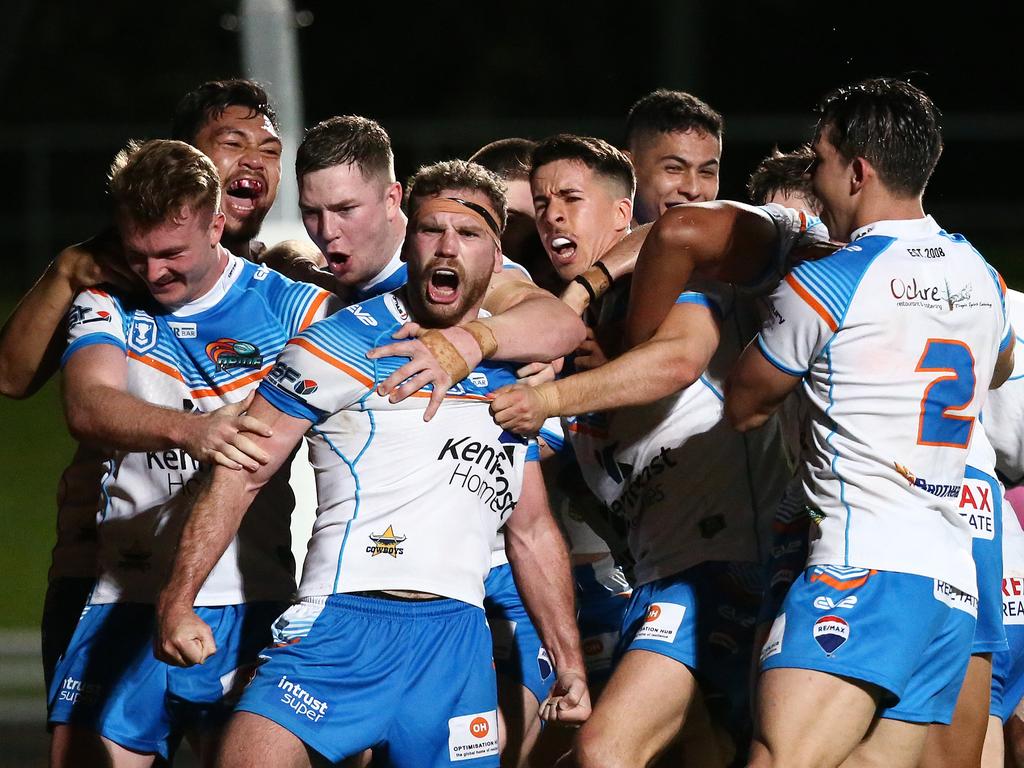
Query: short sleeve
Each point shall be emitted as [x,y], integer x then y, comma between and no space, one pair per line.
[798,327]
[95,317]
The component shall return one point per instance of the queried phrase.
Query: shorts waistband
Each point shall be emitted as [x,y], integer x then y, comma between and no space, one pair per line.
[408,609]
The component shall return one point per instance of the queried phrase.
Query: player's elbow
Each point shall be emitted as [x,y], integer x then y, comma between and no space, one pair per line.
[741,409]
[565,331]
[13,387]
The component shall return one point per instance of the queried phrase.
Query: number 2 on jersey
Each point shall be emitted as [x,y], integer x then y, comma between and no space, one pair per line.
[953,391]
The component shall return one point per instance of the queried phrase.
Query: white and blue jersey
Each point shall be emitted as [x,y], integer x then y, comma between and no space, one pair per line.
[208,353]
[895,338]
[403,504]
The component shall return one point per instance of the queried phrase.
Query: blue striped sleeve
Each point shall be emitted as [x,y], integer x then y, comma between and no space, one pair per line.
[702,299]
[290,404]
[87,341]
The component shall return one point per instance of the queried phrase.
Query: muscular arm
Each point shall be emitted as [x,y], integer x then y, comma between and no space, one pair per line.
[755,389]
[672,360]
[32,339]
[1004,367]
[619,260]
[722,240]
[211,524]
[540,563]
[100,410]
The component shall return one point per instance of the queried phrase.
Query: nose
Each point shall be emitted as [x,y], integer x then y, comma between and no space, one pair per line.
[328,226]
[154,270]
[252,158]
[688,186]
[448,243]
[554,213]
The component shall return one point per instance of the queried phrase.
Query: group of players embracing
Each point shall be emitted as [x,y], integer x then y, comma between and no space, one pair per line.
[608,472]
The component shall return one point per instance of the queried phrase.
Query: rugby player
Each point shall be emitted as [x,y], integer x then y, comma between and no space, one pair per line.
[148,379]
[34,337]
[418,588]
[685,525]
[891,557]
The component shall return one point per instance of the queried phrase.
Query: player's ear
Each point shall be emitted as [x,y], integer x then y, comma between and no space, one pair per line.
[499,259]
[860,171]
[216,228]
[393,200]
[623,213]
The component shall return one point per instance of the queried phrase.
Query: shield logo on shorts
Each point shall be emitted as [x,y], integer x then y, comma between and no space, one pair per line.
[831,632]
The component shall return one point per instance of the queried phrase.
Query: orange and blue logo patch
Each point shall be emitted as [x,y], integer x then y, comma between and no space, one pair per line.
[230,353]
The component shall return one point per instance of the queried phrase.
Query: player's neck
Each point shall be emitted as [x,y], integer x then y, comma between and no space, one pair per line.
[887,207]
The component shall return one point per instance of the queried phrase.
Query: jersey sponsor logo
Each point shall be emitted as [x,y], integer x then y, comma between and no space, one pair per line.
[397,308]
[911,294]
[472,736]
[142,336]
[661,622]
[305,387]
[75,691]
[230,353]
[831,633]
[301,701]
[478,379]
[282,375]
[976,509]
[483,469]
[386,543]
[364,317]
[184,330]
[641,488]
[940,490]
[773,644]
[80,316]
[826,603]
[955,598]
[261,273]
[1013,600]
[598,651]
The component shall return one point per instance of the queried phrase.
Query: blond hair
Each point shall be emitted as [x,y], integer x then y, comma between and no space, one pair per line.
[150,182]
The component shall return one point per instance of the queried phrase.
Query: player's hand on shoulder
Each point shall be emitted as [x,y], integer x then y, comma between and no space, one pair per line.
[97,261]
[569,700]
[576,296]
[522,409]
[223,437]
[182,639]
[589,354]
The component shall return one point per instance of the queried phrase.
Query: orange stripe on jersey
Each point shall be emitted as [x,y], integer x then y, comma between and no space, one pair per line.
[317,352]
[231,386]
[803,221]
[812,302]
[308,317]
[1002,284]
[586,429]
[174,373]
[99,292]
[840,584]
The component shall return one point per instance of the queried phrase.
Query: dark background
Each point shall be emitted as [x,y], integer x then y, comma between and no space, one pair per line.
[446,77]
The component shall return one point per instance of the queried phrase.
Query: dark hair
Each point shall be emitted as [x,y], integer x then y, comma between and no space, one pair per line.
[509,158]
[430,180]
[665,111]
[150,182]
[344,140]
[783,172]
[598,155]
[209,100]
[891,124]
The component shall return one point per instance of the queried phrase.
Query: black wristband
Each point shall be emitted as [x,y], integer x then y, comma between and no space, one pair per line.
[586,284]
[600,265]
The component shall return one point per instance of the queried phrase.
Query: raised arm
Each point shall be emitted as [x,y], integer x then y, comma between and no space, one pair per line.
[182,638]
[725,241]
[673,360]
[100,410]
[540,563]
[33,338]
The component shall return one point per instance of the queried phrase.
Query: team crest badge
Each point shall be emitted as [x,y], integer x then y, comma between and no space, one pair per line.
[143,333]
[228,353]
[386,543]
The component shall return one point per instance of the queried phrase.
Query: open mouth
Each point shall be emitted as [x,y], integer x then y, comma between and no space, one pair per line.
[564,248]
[242,194]
[443,287]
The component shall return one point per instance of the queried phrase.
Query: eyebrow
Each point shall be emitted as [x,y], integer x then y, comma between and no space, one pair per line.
[221,133]
[684,161]
[560,192]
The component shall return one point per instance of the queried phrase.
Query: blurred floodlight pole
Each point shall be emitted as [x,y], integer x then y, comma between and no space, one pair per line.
[270,55]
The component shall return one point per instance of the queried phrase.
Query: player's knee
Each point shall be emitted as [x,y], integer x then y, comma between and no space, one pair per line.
[593,750]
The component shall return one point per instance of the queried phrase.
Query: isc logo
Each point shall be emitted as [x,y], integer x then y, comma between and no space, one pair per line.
[479,727]
[305,387]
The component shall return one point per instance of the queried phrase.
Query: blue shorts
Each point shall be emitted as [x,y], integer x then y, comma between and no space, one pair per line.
[110,682]
[909,635]
[705,618]
[518,653]
[981,504]
[413,680]
[1008,674]
[602,597]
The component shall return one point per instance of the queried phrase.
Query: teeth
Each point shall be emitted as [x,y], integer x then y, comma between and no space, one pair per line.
[560,242]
